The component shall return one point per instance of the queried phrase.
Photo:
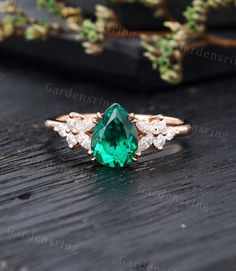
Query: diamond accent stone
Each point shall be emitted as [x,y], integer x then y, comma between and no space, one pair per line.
[145,142]
[84,140]
[71,139]
[70,123]
[159,126]
[155,127]
[159,142]
[75,131]
[170,133]
[62,130]
[145,126]
[84,125]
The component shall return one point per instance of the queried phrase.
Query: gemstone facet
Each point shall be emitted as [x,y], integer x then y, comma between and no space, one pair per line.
[71,140]
[170,133]
[159,142]
[145,142]
[84,140]
[160,126]
[145,126]
[115,139]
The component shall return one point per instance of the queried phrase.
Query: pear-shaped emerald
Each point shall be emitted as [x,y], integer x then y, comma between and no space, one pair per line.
[114,140]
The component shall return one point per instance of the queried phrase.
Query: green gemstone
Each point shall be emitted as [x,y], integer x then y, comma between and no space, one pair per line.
[115,139]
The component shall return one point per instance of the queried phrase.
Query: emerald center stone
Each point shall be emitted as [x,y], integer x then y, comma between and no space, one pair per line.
[114,140]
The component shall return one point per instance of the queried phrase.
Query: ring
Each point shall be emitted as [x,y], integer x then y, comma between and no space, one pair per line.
[116,138]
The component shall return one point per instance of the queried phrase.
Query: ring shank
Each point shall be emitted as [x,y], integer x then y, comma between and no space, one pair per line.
[183,128]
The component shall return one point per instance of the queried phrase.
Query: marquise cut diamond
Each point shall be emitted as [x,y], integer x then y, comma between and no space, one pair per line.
[84,140]
[144,126]
[160,126]
[84,125]
[71,139]
[170,133]
[157,133]
[70,124]
[145,142]
[75,131]
[147,127]
[159,142]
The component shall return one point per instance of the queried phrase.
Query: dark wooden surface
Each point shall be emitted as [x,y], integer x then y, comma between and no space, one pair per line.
[172,211]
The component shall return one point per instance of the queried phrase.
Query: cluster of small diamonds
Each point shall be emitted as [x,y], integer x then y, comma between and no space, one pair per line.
[155,132]
[75,130]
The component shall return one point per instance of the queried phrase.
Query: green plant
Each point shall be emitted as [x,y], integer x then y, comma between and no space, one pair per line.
[166,51]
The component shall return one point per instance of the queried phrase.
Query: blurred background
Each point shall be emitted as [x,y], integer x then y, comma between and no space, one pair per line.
[121,61]
[172,210]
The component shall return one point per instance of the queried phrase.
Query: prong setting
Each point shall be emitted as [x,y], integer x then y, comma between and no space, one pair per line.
[99,115]
[90,152]
[76,116]
[97,118]
[137,155]
[132,118]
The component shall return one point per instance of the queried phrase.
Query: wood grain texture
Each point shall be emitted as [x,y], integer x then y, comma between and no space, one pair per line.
[61,212]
